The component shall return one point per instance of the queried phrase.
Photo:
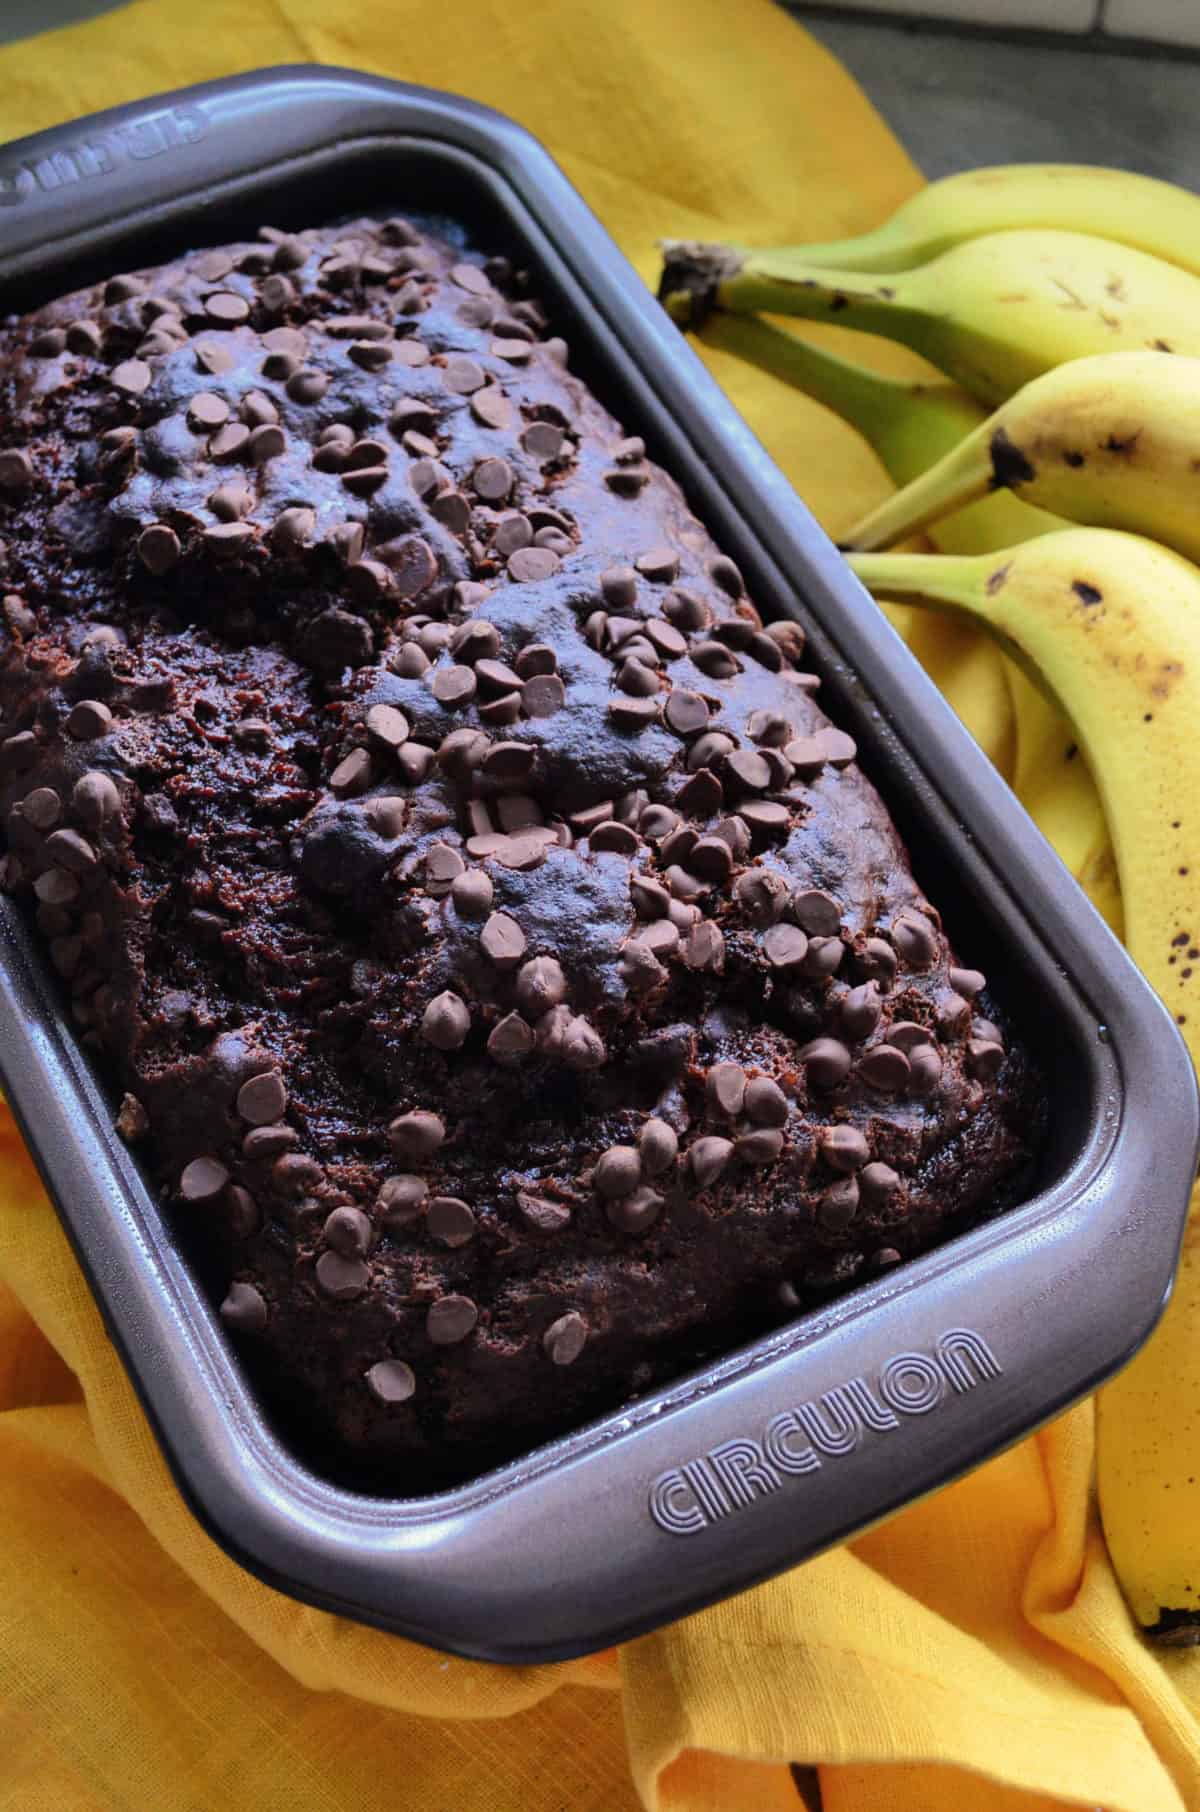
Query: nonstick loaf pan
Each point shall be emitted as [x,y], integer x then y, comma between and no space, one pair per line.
[762,1459]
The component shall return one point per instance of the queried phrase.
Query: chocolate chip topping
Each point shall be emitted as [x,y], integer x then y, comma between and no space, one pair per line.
[391,1381]
[565,1338]
[462,870]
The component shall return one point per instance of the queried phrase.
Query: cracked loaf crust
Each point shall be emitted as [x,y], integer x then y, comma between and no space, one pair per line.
[508,971]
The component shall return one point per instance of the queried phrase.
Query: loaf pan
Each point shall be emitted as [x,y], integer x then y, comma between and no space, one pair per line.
[758,1461]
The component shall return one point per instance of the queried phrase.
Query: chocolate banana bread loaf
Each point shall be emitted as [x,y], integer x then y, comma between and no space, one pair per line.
[504,971]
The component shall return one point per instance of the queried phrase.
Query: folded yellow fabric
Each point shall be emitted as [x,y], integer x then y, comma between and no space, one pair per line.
[973,1652]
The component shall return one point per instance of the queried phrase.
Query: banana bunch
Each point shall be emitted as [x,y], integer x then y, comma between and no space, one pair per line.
[1066,301]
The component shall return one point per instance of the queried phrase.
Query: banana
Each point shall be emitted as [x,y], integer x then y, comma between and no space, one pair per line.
[1113,623]
[992,313]
[909,424]
[1112,440]
[1140,211]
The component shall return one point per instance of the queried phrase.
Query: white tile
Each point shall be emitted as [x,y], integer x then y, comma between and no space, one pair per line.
[1049,15]
[1168,21]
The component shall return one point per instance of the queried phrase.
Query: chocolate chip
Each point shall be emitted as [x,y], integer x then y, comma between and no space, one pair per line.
[924,1070]
[839,1205]
[353,775]
[541,985]
[714,660]
[417,1134]
[826,1062]
[711,859]
[341,1278]
[860,1010]
[660,937]
[269,1141]
[884,1068]
[968,982]
[709,1157]
[453,686]
[158,547]
[762,1146]
[450,1320]
[245,1217]
[230,502]
[658,1147]
[582,1047]
[489,406]
[725,574]
[401,1199]
[705,948]
[725,1088]
[132,376]
[472,893]
[89,719]
[878,959]
[765,1102]
[230,441]
[224,306]
[635,1212]
[843,1147]
[463,375]
[43,808]
[445,1022]
[709,750]
[633,713]
[817,912]
[686,712]
[391,1381]
[618,839]
[203,1180]
[528,565]
[244,1309]
[565,1338]
[984,1058]
[525,850]
[543,1215]
[878,1183]
[762,895]
[503,941]
[749,769]
[294,529]
[626,481]
[543,441]
[838,749]
[69,850]
[510,1040]
[206,411]
[305,385]
[349,1232]
[915,939]
[262,1099]
[450,1221]
[56,887]
[618,1171]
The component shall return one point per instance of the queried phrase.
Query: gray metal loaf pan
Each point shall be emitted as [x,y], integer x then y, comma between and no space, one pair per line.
[798,1440]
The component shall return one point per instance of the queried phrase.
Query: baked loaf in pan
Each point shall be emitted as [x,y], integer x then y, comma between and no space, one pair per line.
[503,968]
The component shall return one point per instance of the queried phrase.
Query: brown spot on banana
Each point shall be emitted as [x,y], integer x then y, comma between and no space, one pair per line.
[1074,458]
[995,581]
[1010,466]
[1118,444]
[1087,594]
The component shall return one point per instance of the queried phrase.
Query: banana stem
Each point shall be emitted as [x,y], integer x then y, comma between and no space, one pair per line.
[960,477]
[888,247]
[777,281]
[955,582]
[869,402]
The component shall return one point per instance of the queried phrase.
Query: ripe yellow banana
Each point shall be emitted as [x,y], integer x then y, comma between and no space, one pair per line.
[1141,211]
[909,424]
[1112,440]
[992,313]
[1112,622]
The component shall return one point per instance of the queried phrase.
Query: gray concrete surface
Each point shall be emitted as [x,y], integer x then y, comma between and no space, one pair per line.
[959,99]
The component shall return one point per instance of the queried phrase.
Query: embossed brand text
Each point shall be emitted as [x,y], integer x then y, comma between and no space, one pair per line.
[688,1498]
[85,159]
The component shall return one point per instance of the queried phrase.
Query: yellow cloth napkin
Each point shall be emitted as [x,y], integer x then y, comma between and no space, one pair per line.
[972,1653]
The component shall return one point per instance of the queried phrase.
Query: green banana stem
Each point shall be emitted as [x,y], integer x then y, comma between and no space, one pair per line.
[953,581]
[777,281]
[885,248]
[964,474]
[875,405]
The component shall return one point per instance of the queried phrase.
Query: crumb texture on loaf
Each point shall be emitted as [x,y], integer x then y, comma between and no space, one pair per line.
[501,957]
